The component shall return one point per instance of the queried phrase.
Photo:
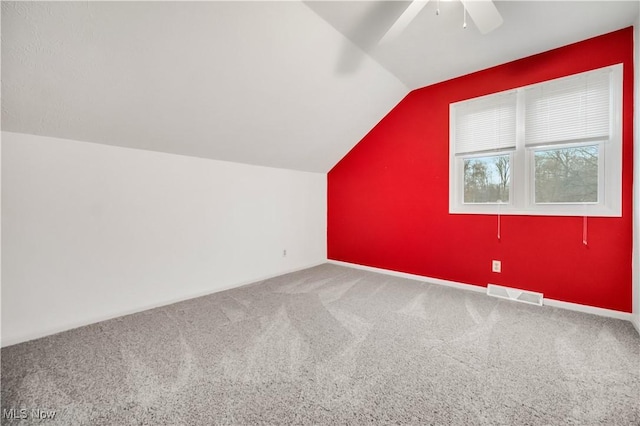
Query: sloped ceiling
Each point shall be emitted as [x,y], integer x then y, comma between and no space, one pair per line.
[249,82]
[281,84]
[434,48]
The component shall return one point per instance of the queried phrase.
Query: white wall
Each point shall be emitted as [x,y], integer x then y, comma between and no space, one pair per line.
[94,231]
[636,183]
[1,237]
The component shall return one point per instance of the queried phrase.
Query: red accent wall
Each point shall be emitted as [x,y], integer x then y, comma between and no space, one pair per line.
[388,197]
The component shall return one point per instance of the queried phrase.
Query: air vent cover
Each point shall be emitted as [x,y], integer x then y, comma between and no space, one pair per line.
[524,296]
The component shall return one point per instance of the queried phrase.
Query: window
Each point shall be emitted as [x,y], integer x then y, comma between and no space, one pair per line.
[553,148]
[486,179]
[566,175]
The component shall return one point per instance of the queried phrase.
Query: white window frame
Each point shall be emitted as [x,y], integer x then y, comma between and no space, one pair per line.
[522,171]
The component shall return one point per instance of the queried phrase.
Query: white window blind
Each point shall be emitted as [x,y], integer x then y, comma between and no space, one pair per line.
[574,108]
[561,141]
[486,124]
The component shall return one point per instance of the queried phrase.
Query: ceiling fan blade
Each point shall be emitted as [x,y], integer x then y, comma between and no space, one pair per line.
[404,20]
[484,14]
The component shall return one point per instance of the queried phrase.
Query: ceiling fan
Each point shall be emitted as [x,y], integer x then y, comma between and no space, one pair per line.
[483,12]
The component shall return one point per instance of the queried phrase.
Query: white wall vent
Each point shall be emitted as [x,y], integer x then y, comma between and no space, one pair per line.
[518,295]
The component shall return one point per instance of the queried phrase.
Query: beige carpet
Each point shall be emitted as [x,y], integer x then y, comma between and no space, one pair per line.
[333,345]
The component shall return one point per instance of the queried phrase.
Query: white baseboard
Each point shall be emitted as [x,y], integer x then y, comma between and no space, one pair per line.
[432,280]
[626,316]
[87,321]
[635,320]
[548,302]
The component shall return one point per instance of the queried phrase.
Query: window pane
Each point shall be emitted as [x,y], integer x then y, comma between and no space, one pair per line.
[486,179]
[567,175]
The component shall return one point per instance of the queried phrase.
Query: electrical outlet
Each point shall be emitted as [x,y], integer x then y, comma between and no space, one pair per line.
[496,266]
[284,253]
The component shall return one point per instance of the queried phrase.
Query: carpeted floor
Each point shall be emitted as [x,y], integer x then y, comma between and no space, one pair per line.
[333,345]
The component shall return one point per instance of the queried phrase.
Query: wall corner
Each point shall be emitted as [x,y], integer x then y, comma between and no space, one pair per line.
[636,181]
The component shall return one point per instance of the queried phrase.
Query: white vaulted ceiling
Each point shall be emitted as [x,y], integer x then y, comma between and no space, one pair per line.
[435,48]
[281,84]
[250,82]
